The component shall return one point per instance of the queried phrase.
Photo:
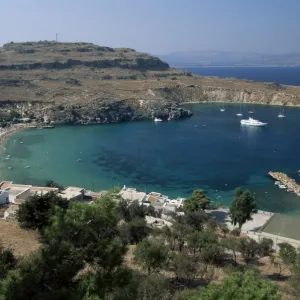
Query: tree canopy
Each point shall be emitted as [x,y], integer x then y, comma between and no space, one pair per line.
[239,286]
[151,254]
[37,210]
[198,201]
[242,207]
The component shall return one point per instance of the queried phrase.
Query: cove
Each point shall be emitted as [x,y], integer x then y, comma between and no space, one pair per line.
[210,151]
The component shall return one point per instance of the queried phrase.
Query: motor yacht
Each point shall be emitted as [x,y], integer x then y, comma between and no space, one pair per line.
[157,120]
[252,122]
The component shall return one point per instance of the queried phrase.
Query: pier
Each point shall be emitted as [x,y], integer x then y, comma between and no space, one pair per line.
[291,184]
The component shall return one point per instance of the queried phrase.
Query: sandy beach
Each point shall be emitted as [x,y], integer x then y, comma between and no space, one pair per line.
[7,131]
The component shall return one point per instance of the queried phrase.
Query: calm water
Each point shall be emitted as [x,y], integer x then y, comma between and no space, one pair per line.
[283,75]
[210,151]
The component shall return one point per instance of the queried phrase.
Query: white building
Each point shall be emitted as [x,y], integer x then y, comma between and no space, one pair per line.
[73,193]
[4,197]
[132,194]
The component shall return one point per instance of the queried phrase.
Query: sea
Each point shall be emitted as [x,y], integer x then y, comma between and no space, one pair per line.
[209,151]
[283,75]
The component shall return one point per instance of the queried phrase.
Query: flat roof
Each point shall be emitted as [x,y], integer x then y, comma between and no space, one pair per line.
[43,189]
[74,189]
[132,195]
[71,192]
[5,184]
[16,190]
[283,225]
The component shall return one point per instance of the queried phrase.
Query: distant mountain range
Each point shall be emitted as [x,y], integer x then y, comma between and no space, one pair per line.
[230,58]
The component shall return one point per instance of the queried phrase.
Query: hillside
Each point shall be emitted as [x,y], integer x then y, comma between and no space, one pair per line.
[230,58]
[85,83]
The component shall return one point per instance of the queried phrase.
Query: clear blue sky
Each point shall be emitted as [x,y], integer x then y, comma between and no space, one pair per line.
[157,26]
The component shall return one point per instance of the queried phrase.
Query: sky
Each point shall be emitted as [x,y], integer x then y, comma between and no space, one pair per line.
[157,26]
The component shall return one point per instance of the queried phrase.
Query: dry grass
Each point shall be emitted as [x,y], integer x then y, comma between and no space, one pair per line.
[21,241]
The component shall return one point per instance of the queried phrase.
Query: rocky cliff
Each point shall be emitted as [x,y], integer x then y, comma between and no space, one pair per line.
[84,83]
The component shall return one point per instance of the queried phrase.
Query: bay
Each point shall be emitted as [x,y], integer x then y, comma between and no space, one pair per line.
[210,150]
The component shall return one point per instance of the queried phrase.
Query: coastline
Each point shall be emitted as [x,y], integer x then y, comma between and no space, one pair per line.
[6,132]
[237,102]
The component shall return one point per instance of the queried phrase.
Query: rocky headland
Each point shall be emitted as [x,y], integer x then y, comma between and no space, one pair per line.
[82,83]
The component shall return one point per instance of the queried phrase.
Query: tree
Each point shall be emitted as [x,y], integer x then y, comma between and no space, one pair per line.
[151,254]
[212,224]
[239,286]
[285,258]
[36,211]
[179,234]
[248,248]
[265,247]
[153,287]
[134,231]
[198,201]
[52,183]
[7,261]
[206,247]
[294,282]
[287,253]
[195,219]
[92,230]
[82,236]
[184,267]
[242,207]
[130,210]
[223,228]
[232,244]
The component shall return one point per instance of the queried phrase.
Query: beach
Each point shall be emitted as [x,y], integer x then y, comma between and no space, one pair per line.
[7,131]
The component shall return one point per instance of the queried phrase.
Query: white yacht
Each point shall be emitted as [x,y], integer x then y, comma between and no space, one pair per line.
[157,120]
[252,122]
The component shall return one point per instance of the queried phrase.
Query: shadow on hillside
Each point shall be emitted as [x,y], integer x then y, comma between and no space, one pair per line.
[219,216]
[274,276]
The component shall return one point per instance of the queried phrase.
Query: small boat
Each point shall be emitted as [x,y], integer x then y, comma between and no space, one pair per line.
[281,114]
[277,182]
[282,186]
[222,109]
[253,122]
[240,113]
[250,112]
[79,160]
[48,127]
[32,126]
[9,168]
[7,158]
[21,142]
[157,120]
[27,167]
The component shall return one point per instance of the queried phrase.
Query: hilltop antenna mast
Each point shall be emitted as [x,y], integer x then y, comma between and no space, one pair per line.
[56,37]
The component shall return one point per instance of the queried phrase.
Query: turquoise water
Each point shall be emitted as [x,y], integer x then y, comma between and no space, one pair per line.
[210,151]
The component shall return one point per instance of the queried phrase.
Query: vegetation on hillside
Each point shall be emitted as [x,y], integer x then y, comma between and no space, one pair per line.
[83,250]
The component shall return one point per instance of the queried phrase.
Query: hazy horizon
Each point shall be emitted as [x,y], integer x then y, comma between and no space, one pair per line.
[158,27]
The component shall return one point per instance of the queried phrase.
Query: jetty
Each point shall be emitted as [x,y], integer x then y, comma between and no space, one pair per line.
[291,184]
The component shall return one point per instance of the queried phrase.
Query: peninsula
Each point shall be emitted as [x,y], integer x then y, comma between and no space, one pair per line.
[82,83]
